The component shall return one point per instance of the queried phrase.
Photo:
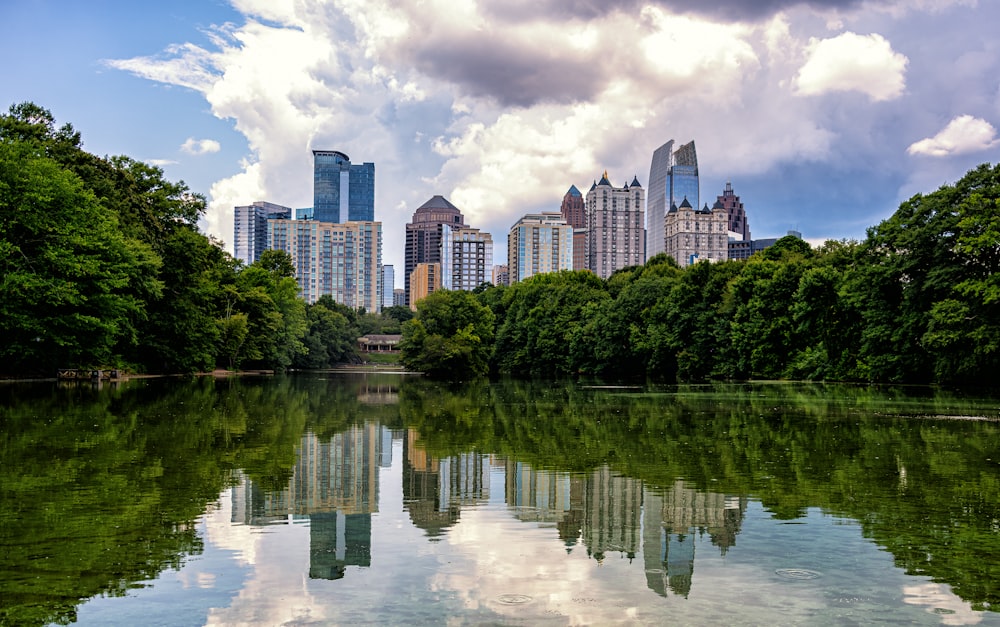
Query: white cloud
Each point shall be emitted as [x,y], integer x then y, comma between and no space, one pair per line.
[852,62]
[200,146]
[160,162]
[963,134]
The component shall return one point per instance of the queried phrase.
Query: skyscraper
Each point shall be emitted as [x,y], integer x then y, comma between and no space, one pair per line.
[250,228]
[342,260]
[615,236]
[342,192]
[539,243]
[735,213]
[423,234]
[574,212]
[673,176]
[696,234]
[388,285]
[466,258]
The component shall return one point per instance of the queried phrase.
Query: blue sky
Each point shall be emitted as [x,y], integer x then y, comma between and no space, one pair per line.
[823,114]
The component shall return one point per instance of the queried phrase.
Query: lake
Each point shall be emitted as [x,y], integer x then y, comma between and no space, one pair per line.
[382,499]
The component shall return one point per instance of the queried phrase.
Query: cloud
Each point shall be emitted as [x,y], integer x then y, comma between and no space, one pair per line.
[200,146]
[851,62]
[512,103]
[160,162]
[963,134]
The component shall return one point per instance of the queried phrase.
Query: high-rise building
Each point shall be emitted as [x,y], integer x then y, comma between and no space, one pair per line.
[739,226]
[388,284]
[342,192]
[342,260]
[424,232]
[250,228]
[696,234]
[573,210]
[466,258]
[424,280]
[399,297]
[673,176]
[615,235]
[539,243]
[501,275]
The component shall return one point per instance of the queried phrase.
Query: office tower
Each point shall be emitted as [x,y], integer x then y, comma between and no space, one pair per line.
[615,235]
[423,235]
[539,243]
[388,284]
[342,192]
[342,260]
[696,234]
[501,275]
[424,280]
[673,176]
[573,210]
[399,297]
[466,258]
[250,228]
[739,226]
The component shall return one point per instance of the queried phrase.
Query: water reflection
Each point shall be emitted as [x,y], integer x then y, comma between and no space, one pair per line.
[407,500]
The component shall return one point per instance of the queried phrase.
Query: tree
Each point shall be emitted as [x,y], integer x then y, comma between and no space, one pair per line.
[72,285]
[450,337]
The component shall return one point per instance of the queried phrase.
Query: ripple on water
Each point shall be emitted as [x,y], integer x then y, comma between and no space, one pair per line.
[796,573]
[514,599]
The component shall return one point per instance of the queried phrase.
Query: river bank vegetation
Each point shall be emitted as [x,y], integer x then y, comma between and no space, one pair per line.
[103,265]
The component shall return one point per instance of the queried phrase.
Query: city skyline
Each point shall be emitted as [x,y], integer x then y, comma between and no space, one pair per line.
[824,115]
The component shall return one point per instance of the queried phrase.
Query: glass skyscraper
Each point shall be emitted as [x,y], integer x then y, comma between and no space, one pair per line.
[342,192]
[250,228]
[673,176]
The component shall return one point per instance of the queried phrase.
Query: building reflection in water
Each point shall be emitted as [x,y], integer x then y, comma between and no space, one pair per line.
[672,519]
[434,490]
[334,487]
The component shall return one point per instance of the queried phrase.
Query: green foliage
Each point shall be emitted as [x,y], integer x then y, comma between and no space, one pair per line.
[450,337]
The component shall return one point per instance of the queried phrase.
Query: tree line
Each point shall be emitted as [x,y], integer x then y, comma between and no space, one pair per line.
[917,301]
[102,265]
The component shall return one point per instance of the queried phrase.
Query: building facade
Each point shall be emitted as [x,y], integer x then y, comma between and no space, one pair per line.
[388,285]
[574,212]
[696,234]
[539,243]
[424,280]
[501,275]
[466,258]
[250,228]
[736,215]
[673,176]
[423,235]
[342,260]
[342,192]
[615,236]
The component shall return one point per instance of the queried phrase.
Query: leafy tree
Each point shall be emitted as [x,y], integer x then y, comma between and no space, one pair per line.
[72,285]
[450,337]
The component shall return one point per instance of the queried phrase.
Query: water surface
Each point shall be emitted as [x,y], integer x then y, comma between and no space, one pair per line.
[385,499]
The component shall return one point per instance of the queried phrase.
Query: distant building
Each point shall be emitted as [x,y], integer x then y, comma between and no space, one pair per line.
[399,297]
[744,249]
[615,237]
[539,243]
[574,212]
[736,215]
[250,228]
[424,280]
[388,281]
[673,176]
[696,234]
[501,275]
[423,235]
[342,192]
[466,258]
[341,260]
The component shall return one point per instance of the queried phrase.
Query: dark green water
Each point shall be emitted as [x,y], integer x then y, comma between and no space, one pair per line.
[388,499]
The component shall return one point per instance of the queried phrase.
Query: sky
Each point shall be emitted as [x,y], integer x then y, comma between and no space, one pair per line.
[823,114]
